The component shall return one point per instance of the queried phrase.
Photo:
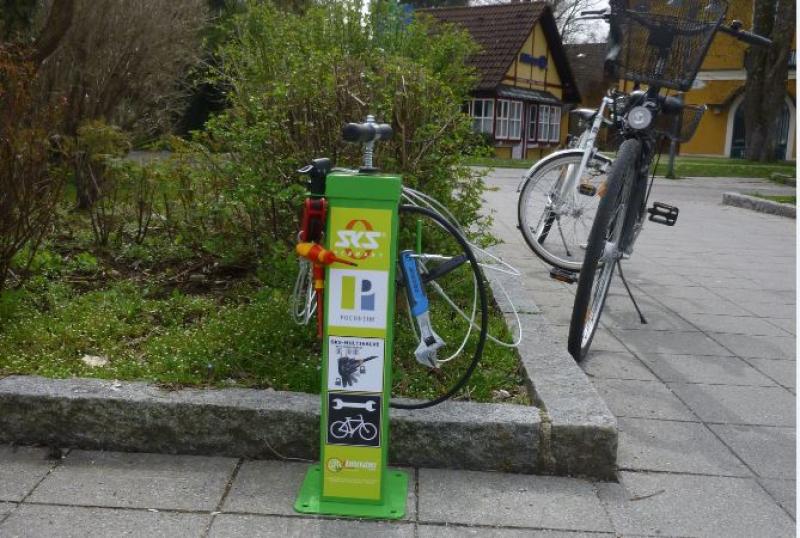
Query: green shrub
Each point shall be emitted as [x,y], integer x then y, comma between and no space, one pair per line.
[294,80]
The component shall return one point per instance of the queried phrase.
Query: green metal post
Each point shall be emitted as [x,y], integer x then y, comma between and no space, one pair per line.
[353,479]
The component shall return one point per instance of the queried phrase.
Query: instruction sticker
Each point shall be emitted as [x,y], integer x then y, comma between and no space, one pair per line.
[354,419]
[355,364]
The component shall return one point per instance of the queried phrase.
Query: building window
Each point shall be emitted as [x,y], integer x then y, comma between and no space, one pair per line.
[532,123]
[549,123]
[509,119]
[544,123]
[482,112]
[555,123]
[515,121]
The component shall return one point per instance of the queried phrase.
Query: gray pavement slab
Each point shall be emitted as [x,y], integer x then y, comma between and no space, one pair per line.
[45,521]
[750,325]
[747,297]
[116,479]
[788,325]
[642,399]
[271,487]
[749,443]
[21,468]
[783,372]
[689,505]
[457,531]
[616,365]
[769,406]
[658,319]
[266,487]
[759,347]
[677,447]
[783,491]
[766,310]
[717,306]
[6,508]
[258,526]
[646,342]
[706,369]
[510,500]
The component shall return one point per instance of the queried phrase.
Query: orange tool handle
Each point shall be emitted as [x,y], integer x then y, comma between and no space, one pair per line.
[319,255]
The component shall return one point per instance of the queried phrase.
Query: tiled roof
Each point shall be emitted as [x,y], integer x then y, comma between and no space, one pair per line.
[586,61]
[501,30]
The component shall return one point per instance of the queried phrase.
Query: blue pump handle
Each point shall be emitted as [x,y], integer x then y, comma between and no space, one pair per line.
[417,299]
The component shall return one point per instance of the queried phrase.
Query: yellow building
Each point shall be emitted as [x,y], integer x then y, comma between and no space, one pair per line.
[526,85]
[720,86]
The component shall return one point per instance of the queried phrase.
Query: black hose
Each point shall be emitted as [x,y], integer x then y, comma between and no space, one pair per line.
[484,308]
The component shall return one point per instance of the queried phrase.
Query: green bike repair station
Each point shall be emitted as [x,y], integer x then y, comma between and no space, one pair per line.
[359,250]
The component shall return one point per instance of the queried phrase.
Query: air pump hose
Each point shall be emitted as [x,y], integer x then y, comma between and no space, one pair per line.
[484,308]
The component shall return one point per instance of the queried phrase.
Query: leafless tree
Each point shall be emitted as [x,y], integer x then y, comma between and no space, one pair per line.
[767,72]
[123,61]
[30,184]
[566,13]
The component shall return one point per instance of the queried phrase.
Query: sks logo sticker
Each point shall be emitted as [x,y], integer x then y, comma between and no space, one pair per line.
[358,239]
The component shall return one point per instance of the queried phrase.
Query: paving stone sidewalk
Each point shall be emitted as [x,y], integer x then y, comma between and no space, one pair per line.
[705,396]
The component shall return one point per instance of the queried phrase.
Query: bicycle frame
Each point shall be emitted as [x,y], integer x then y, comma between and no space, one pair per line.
[586,142]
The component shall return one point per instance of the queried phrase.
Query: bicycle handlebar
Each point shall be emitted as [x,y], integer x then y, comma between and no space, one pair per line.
[366,132]
[745,36]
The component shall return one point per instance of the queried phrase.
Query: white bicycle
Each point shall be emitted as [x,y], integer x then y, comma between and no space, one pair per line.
[352,426]
[559,194]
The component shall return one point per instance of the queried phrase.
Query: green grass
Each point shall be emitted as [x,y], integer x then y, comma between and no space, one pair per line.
[684,166]
[240,336]
[782,199]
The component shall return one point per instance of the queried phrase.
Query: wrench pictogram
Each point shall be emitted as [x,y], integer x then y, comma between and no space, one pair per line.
[369,405]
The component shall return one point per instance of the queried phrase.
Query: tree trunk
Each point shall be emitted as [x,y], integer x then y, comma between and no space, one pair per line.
[767,72]
[55,28]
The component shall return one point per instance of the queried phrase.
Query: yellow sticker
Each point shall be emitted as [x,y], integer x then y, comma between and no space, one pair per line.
[362,236]
[352,472]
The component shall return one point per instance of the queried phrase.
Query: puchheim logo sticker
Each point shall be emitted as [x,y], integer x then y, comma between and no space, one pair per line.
[358,298]
[355,364]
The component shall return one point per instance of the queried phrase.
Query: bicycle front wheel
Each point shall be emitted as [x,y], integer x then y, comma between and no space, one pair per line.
[602,251]
[555,209]
[455,289]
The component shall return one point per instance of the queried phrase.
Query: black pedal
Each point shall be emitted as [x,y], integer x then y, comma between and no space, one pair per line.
[587,189]
[562,275]
[663,213]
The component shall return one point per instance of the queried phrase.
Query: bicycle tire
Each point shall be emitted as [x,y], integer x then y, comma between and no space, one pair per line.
[610,219]
[341,424]
[530,218]
[483,307]
[368,427]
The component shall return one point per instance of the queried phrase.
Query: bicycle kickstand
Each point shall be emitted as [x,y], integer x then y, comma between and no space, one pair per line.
[630,293]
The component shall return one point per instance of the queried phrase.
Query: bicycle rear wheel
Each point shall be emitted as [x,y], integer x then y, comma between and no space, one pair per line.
[602,251]
[556,224]
[451,277]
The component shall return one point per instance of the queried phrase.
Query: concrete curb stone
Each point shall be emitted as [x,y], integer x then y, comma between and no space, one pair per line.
[759,204]
[579,431]
[136,416]
[569,431]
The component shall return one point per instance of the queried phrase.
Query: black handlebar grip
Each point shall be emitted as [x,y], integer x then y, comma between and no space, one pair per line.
[753,39]
[366,132]
[745,36]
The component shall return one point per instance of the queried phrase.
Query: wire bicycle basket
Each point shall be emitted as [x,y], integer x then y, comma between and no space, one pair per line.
[662,43]
[680,127]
